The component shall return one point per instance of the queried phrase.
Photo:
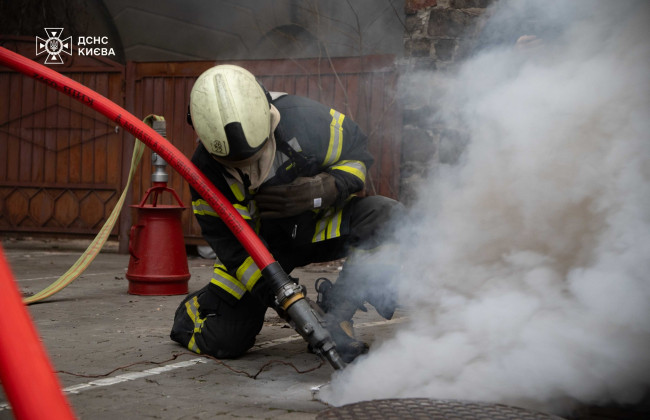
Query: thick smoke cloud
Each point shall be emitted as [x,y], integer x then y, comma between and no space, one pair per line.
[527,264]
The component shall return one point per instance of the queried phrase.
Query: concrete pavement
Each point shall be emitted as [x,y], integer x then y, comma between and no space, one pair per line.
[114,358]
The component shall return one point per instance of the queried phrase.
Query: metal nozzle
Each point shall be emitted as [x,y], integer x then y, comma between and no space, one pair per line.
[159,174]
[303,317]
[308,323]
[158,163]
[335,360]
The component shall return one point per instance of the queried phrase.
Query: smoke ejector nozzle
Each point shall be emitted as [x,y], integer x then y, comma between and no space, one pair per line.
[303,317]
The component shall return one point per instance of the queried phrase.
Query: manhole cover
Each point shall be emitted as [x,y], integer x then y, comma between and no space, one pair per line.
[423,408]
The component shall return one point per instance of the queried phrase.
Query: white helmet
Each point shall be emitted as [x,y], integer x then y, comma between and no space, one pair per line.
[230,112]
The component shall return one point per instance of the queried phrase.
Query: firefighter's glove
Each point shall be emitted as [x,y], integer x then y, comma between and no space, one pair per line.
[299,196]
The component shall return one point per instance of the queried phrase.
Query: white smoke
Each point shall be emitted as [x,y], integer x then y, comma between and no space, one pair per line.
[527,266]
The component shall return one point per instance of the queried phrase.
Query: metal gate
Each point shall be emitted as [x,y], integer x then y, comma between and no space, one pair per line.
[60,171]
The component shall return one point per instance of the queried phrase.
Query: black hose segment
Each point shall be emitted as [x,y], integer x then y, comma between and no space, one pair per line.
[275,276]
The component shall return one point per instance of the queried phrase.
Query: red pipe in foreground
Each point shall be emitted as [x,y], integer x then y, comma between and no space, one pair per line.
[26,373]
[244,233]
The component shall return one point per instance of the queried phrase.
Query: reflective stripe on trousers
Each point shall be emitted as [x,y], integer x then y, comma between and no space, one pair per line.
[192,307]
[248,274]
[227,282]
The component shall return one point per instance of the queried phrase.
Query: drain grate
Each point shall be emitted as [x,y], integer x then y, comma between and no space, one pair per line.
[423,408]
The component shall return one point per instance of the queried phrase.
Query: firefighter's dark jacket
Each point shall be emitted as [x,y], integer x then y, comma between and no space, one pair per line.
[318,139]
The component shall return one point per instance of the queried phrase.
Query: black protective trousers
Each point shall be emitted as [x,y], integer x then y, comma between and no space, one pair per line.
[226,329]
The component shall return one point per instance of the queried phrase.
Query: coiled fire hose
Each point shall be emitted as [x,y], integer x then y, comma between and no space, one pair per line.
[289,297]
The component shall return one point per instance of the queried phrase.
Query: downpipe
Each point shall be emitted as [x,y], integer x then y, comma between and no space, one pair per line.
[304,319]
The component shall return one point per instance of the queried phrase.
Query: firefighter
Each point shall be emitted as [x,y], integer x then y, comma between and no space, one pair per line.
[291,167]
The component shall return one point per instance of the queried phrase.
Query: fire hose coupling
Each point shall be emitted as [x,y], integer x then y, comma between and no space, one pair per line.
[288,294]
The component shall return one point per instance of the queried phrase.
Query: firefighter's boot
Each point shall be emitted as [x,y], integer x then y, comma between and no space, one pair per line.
[338,316]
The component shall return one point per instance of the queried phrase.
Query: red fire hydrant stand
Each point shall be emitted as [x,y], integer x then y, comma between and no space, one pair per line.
[158,263]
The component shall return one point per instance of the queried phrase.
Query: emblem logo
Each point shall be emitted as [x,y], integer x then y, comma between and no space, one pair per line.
[53,45]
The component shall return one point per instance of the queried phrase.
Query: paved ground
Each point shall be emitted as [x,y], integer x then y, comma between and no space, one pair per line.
[115,360]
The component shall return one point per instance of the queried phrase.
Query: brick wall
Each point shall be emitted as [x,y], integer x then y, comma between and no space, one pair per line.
[438,34]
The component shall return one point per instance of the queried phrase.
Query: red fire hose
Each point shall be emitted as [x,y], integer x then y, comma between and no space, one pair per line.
[244,233]
[26,373]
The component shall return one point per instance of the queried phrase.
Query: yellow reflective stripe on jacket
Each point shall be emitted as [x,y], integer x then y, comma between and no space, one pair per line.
[354,167]
[192,307]
[336,138]
[201,207]
[237,189]
[329,226]
[248,273]
[227,282]
[243,211]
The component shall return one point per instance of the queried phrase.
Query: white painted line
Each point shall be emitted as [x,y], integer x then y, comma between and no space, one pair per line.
[25,254]
[76,389]
[131,376]
[56,277]
[276,342]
